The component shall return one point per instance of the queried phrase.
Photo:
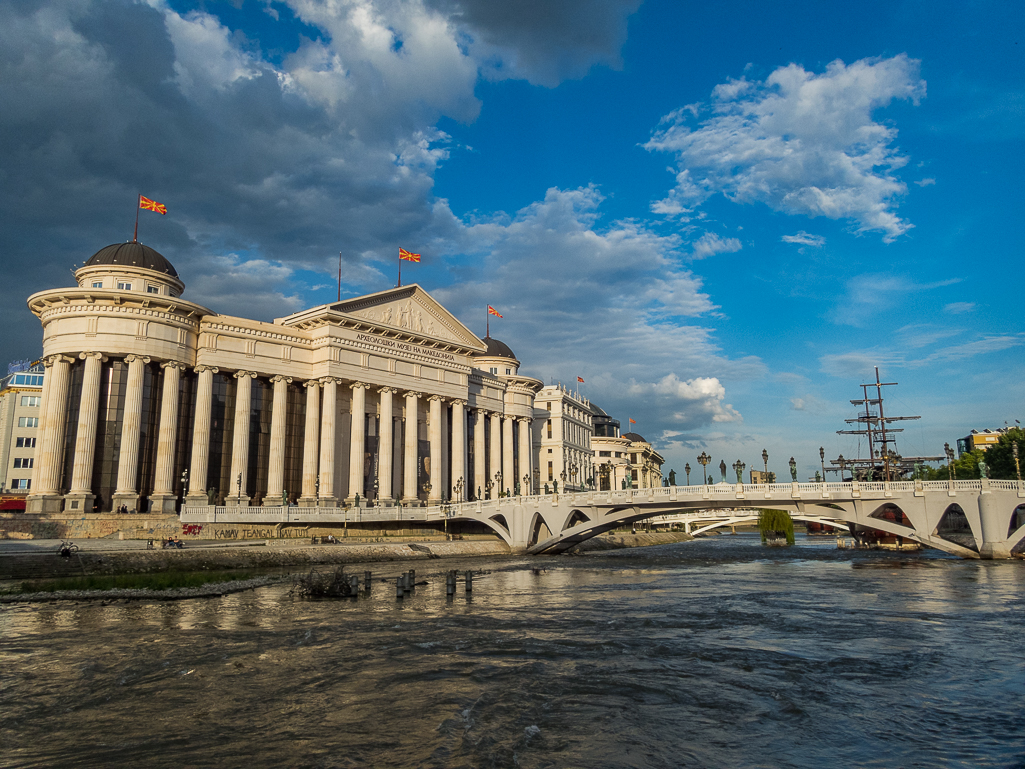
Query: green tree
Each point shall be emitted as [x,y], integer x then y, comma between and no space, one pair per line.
[966,467]
[1000,457]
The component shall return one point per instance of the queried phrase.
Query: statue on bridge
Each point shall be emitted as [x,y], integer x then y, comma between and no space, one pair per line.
[722,470]
[672,477]
[983,469]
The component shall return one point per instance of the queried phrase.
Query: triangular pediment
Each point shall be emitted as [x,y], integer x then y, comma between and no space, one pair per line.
[407,309]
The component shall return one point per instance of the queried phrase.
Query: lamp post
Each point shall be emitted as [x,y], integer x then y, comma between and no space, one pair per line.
[703,460]
[765,462]
[377,487]
[573,470]
[843,467]
[316,486]
[239,483]
[738,468]
[950,460]
[822,460]
[1017,466]
[793,469]
[459,489]
[185,484]
[498,481]
[686,469]
[487,486]
[537,480]
[526,483]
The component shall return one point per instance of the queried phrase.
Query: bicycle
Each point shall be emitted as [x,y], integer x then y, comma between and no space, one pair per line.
[67,548]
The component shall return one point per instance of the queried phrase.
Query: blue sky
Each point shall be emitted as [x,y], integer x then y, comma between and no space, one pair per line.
[721,216]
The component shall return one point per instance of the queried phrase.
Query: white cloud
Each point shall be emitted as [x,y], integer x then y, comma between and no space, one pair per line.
[710,244]
[927,182]
[958,308]
[689,403]
[868,296]
[804,239]
[801,143]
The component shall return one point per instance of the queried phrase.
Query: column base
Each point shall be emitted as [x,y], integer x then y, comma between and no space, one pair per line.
[131,501]
[328,502]
[384,502]
[79,502]
[237,501]
[44,503]
[163,503]
[197,500]
[411,501]
[994,551]
[307,501]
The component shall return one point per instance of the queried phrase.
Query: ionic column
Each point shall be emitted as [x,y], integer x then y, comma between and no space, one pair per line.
[51,436]
[385,447]
[128,461]
[357,441]
[525,458]
[508,468]
[309,497]
[278,423]
[496,451]
[459,449]
[85,438]
[163,498]
[409,490]
[201,435]
[328,426]
[480,478]
[240,437]
[434,435]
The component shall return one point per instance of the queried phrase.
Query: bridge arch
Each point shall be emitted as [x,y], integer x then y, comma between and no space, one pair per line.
[538,531]
[575,518]
[955,527]
[892,514]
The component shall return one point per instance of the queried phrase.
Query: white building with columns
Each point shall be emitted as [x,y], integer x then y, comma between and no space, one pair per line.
[149,398]
[563,430]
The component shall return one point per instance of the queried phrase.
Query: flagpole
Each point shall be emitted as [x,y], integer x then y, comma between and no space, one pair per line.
[339,276]
[138,202]
[487,319]
[400,272]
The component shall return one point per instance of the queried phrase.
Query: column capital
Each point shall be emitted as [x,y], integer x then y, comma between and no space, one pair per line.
[84,355]
[281,378]
[358,385]
[413,393]
[386,390]
[244,374]
[526,420]
[436,398]
[201,369]
[167,364]
[49,360]
[132,358]
[458,402]
[311,383]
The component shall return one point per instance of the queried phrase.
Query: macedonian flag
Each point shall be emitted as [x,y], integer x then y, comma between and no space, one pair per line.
[152,205]
[493,311]
[404,254]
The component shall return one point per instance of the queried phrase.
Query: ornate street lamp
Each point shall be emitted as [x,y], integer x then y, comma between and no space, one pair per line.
[459,489]
[703,460]
[239,482]
[185,484]
[1017,466]
[498,481]
[793,469]
[843,467]
[526,483]
[950,460]
[537,480]
[738,468]
[316,485]
[686,469]
[822,460]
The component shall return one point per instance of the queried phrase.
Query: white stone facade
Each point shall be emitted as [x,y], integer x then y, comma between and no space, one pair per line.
[149,398]
[563,431]
[20,407]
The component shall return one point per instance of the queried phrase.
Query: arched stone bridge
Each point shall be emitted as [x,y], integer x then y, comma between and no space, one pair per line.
[972,519]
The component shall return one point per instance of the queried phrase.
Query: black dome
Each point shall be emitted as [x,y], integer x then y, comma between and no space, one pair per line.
[132,255]
[497,349]
[634,437]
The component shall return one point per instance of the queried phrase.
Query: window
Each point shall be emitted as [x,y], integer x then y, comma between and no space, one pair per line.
[124,285]
[28,421]
[21,483]
[508,372]
[25,443]
[35,380]
[30,400]
[619,453]
[152,289]
[494,370]
[549,451]
[633,459]
[97,284]
[549,428]
[550,476]
[22,462]
[604,453]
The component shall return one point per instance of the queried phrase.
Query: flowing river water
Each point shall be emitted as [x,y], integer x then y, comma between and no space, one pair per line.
[713,653]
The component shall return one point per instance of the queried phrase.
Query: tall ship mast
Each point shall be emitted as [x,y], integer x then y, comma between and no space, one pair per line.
[883,463]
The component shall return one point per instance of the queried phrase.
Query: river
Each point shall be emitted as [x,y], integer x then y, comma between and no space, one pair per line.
[712,653]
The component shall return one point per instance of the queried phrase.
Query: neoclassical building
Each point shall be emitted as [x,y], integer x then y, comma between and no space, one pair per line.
[149,398]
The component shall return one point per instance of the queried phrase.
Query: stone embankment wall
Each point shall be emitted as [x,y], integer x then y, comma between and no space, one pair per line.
[255,557]
[617,541]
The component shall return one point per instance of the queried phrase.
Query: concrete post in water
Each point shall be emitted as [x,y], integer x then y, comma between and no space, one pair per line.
[354,585]
[450,584]
[399,592]
[469,582]
[366,581]
[994,526]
